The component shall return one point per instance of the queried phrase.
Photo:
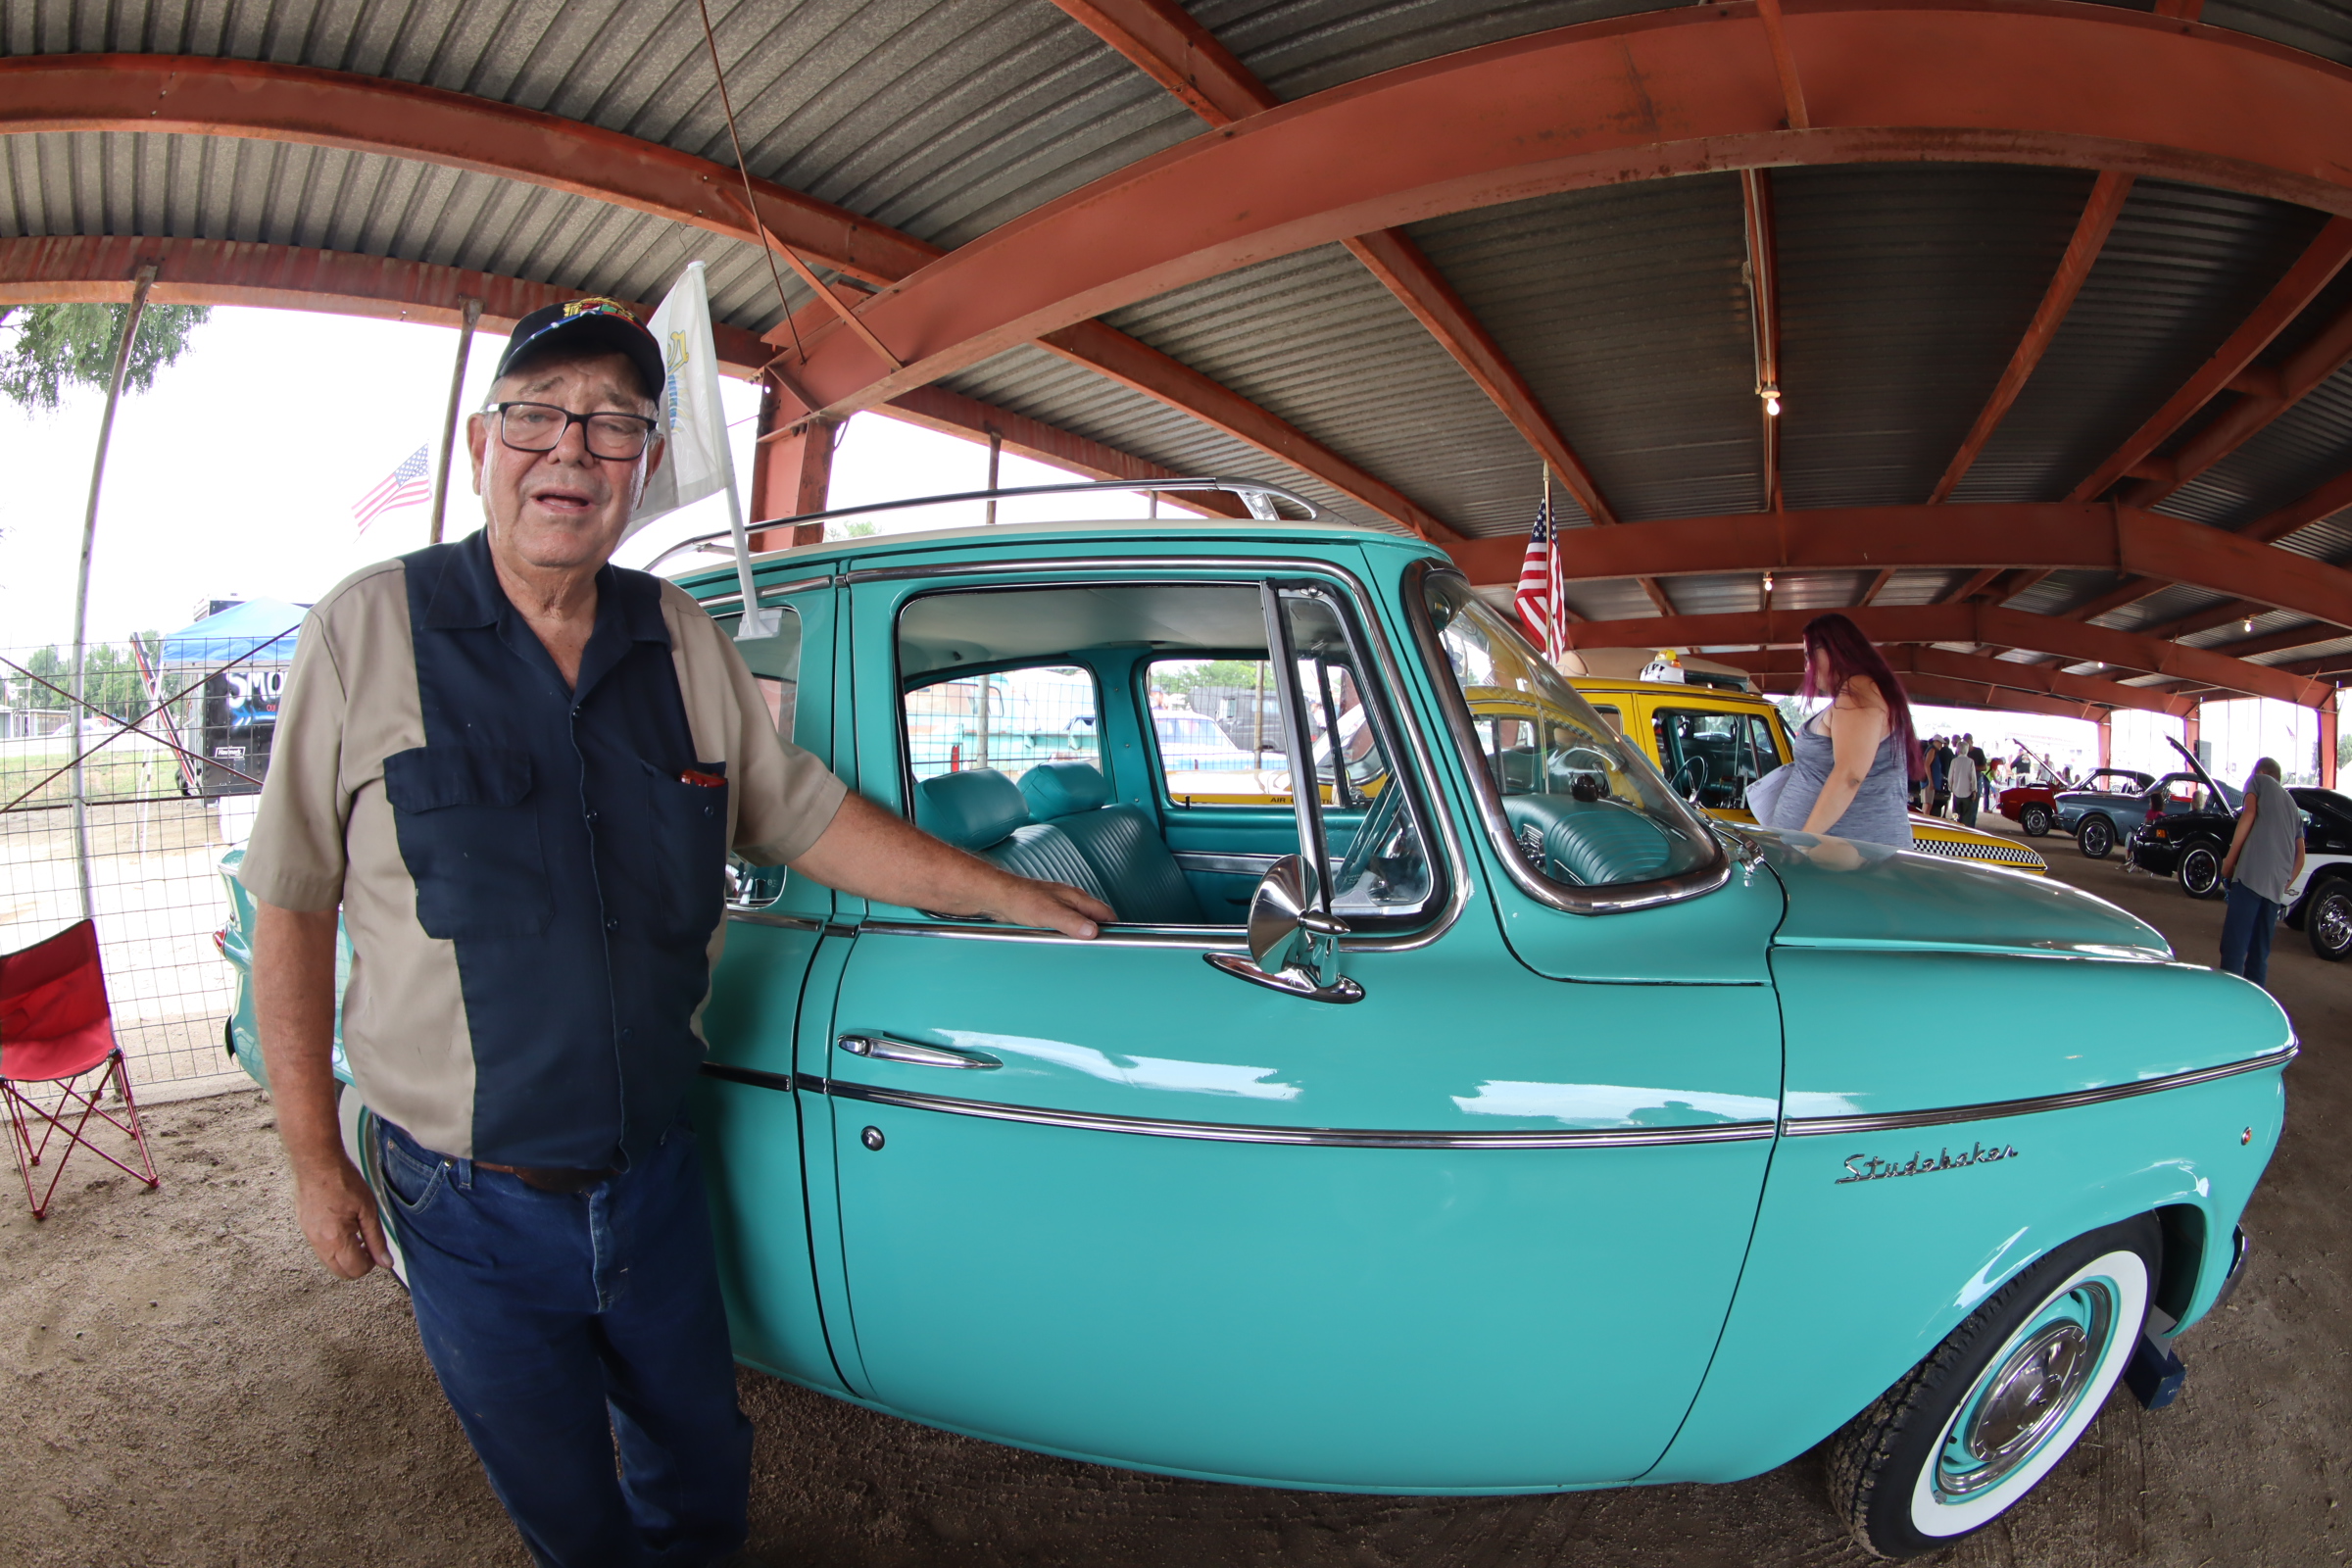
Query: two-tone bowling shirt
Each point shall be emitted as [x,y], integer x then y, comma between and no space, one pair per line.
[532,875]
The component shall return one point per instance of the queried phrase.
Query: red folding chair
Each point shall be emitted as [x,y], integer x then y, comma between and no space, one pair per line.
[56,1028]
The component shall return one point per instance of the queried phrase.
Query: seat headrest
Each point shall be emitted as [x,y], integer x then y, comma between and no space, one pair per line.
[971,811]
[1064,789]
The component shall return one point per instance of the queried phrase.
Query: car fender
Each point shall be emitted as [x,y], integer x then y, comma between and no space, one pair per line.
[1873,1241]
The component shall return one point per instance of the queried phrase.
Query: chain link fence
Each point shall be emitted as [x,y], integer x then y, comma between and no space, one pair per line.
[147,842]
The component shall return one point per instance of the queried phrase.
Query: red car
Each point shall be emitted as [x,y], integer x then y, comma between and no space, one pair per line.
[2033,806]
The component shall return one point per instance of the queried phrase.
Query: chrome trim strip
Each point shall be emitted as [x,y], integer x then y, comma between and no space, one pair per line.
[786,1081]
[1898,1121]
[882,1048]
[1691,884]
[1210,863]
[1319,1137]
[718,602]
[787,922]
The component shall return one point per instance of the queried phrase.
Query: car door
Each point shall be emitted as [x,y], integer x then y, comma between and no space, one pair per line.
[1478,1229]
[745,1111]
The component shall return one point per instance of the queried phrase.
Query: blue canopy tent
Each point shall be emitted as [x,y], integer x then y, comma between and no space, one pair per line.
[265,624]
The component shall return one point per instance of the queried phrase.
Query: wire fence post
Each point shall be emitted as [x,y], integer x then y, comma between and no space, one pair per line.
[81,589]
[449,420]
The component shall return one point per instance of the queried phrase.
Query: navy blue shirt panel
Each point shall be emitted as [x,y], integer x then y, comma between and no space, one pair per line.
[557,843]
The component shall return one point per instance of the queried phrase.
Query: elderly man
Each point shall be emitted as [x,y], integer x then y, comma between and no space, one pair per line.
[518,771]
[2266,855]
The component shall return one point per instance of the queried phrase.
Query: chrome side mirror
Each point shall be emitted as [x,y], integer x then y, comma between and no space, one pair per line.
[1294,947]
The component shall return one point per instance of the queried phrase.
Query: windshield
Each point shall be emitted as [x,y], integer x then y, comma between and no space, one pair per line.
[1584,808]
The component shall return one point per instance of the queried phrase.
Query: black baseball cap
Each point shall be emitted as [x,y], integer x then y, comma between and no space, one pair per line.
[594,324]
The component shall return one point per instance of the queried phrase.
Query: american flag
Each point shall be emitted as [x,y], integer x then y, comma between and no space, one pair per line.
[410,484]
[1538,595]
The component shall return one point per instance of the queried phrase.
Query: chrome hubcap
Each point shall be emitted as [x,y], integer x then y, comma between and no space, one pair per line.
[2334,923]
[2026,1394]
[2199,873]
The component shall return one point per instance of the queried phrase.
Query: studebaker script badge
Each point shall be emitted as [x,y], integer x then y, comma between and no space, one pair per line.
[1870,1168]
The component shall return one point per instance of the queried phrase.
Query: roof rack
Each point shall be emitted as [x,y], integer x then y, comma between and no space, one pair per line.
[1257,497]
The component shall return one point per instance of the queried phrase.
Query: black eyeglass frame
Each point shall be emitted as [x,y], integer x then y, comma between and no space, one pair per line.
[653,427]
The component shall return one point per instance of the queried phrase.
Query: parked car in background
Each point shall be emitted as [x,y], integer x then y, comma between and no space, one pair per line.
[2031,800]
[2097,812]
[2184,832]
[2318,902]
[1231,1193]
[1713,741]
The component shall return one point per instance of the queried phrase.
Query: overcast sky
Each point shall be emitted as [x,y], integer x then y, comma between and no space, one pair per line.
[235,478]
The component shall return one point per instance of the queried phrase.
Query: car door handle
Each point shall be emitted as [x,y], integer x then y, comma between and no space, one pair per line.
[881,1048]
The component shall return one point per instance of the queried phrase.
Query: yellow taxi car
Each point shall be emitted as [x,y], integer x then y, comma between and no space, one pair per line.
[1712,737]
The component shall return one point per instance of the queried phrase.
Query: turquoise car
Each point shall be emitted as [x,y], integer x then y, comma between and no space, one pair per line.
[1474,1118]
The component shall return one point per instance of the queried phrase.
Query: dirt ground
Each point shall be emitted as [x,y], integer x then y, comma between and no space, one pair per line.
[184,1385]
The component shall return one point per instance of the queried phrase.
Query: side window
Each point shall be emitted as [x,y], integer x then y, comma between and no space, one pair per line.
[1374,842]
[1216,724]
[1006,720]
[775,663]
[1615,718]
[1713,757]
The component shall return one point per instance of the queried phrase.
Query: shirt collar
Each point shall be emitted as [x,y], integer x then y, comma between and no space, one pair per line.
[468,594]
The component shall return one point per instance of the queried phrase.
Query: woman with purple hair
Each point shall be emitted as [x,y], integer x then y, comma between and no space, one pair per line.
[1855,758]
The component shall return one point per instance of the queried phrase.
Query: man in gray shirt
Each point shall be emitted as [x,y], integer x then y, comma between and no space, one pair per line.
[2266,855]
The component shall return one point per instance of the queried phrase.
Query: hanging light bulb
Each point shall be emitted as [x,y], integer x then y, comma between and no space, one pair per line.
[1772,400]
[1768,583]
[2247,624]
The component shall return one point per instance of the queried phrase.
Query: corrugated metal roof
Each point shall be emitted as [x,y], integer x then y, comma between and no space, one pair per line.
[1904,290]
[2181,269]
[1316,338]
[1045,386]
[219,187]
[1624,309]
[2309,443]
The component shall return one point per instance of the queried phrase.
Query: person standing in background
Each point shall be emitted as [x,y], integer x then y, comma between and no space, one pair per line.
[1963,777]
[1939,769]
[2266,855]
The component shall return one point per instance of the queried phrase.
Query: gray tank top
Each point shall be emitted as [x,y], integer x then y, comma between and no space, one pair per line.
[1882,808]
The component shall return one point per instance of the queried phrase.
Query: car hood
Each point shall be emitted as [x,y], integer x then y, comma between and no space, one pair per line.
[1847,895]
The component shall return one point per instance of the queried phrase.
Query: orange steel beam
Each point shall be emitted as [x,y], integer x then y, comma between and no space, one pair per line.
[2278,642]
[1957,623]
[48,270]
[1163,40]
[2322,502]
[200,95]
[1912,659]
[2107,195]
[1973,536]
[1945,693]
[2131,591]
[1974,584]
[207,96]
[1878,585]
[1680,92]
[2311,272]
[2263,394]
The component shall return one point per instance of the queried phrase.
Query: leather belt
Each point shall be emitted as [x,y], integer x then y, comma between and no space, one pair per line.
[552,1178]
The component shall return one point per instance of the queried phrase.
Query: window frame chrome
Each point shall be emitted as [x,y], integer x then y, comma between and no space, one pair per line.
[1359,614]
[1617,899]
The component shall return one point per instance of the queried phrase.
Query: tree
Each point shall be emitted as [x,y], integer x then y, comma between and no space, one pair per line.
[56,346]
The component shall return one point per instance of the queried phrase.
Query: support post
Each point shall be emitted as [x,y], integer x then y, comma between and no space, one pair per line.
[996,457]
[791,475]
[2107,739]
[81,587]
[2328,741]
[2192,725]
[449,418]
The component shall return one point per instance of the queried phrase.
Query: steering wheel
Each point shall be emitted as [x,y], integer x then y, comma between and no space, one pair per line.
[1694,768]
[1563,764]
[1386,807]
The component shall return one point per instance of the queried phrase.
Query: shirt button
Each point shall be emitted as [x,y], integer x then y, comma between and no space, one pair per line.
[708,810]
[590,816]
[611,925]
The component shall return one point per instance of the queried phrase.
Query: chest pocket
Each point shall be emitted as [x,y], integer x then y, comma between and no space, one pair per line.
[690,848]
[470,839]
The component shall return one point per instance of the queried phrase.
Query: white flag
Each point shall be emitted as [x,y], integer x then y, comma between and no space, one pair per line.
[698,463]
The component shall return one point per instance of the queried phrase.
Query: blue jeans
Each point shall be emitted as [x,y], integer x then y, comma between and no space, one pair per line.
[564,1325]
[2246,927]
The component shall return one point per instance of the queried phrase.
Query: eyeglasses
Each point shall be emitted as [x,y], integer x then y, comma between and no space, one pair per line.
[542,426]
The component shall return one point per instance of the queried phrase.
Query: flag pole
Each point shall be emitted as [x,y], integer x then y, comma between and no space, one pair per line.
[449,420]
[81,589]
